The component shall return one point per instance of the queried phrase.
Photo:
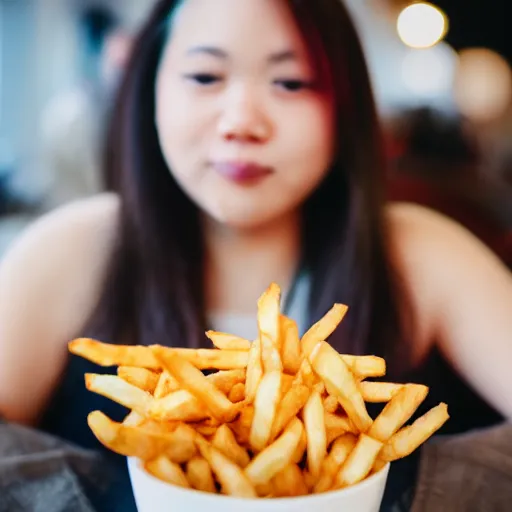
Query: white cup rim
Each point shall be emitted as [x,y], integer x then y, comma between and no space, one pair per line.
[317,498]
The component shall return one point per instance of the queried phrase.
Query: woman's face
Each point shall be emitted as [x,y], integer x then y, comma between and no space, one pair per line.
[242,123]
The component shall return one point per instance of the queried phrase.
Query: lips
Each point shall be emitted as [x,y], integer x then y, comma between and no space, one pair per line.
[242,172]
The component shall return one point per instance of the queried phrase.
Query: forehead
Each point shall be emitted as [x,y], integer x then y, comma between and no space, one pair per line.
[258,27]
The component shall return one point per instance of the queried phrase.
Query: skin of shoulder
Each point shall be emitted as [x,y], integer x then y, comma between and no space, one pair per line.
[50,280]
[462,298]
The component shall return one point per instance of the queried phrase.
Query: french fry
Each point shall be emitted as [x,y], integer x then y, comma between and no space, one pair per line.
[179,445]
[323,328]
[120,391]
[405,441]
[166,470]
[178,406]
[166,385]
[133,419]
[104,354]
[225,380]
[365,366]
[268,315]
[224,440]
[224,341]
[359,463]
[338,454]
[146,380]
[331,404]
[291,353]
[287,382]
[378,392]
[336,425]
[299,452]
[231,477]
[254,371]
[396,412]
[199,474]
[237,393]
[340,382]
[265,406]
[315,432]
[289,482]
[197,384]
[276,457]
[288,408]
[241,427]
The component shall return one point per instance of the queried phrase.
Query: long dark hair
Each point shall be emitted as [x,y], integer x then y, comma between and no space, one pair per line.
[154,290]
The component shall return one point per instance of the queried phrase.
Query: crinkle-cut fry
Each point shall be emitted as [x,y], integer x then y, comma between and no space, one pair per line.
[142,378]
[331,404]
[275,457]
[167,471]
[166,385]
[365,366]
[291,352]
[254,371]
[119,391]
[232,478]
[378,392]
[289,407]
[289,482]
[322,329]
[268,315]
[133,419]
[178,445]
[265,408]
[241,427]
[338,453]
[225,380]
[408,439]
[359,463]
[199,474]
[237,393]
[105,354]
[224,440]
[397,411]
[224,341]
[314,424]
[178,406]
[340,382]
[197,384]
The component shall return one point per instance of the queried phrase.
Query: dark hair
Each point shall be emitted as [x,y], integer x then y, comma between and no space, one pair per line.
[154,291]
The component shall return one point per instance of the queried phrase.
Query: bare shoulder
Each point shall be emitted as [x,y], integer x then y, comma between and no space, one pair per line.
[442,264]
[50,281]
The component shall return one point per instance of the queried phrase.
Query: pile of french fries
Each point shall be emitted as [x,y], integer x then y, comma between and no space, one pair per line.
[279,416]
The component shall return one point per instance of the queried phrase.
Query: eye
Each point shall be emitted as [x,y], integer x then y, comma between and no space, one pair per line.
[203,78]
[293,85]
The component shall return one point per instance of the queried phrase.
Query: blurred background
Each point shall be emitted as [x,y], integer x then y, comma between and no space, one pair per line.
[441,74]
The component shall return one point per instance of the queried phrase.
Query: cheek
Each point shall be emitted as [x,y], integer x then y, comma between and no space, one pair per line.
[311,141]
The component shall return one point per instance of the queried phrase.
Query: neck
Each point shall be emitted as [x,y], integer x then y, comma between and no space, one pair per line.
[241,263]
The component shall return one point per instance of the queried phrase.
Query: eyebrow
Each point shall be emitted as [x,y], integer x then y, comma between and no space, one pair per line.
[275,58]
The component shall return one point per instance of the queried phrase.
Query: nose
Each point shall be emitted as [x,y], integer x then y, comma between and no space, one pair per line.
[243,120]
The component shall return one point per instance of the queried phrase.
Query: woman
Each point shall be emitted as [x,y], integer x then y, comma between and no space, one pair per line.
[245,149]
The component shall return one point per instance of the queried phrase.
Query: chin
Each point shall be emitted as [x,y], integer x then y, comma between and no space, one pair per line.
[241,218]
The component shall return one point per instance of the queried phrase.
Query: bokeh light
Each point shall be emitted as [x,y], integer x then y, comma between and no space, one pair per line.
[483,84]
[422,25]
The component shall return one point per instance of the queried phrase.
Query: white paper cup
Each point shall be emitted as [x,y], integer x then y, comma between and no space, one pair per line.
[153,495]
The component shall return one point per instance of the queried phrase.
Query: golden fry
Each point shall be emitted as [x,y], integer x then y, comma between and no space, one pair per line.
[199,474]
[224,341]
[291,353]
[289,482]
[378,392]
[405,441]
[315,432]
[224,440]
[166,470]
[146,380]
